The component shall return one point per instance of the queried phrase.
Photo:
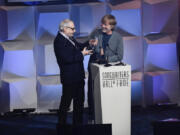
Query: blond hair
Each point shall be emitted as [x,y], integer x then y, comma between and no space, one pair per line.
[110,19]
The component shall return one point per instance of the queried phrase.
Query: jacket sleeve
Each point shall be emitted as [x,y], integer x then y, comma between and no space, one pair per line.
[67,54]
[82,45]
[93,34]
[119,52]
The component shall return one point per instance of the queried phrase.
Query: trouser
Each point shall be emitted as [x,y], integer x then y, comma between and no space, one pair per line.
[69,92]
[90,93]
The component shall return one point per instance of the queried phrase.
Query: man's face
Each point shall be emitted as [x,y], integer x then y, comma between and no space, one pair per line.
[69,30]
[106,27]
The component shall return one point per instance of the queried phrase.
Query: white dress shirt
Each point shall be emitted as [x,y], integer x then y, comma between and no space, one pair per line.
[67,37]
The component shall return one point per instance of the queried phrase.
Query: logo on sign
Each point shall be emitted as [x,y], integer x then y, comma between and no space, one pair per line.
[115,79]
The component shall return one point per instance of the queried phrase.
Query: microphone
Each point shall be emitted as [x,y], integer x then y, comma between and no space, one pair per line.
[115,53]
[107,62]
[106,59]
[101,58]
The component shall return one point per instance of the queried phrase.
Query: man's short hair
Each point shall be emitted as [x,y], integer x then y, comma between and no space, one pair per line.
[110,19]
[64,23]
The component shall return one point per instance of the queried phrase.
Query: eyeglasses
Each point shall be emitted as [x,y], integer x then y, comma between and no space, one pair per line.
[72,28]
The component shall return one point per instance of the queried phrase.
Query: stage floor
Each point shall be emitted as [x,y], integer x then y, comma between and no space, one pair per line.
[45,124]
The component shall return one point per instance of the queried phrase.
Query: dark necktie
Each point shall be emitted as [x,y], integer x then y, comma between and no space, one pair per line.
[72,38]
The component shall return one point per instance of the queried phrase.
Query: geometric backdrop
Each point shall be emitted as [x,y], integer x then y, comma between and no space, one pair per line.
[29,74]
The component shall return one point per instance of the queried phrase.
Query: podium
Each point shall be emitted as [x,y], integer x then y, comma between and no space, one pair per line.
[112,97]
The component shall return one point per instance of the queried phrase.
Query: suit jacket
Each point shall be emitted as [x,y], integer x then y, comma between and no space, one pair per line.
[114,50]
[70,59]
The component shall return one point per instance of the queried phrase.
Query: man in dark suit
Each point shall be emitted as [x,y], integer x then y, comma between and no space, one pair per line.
[70,55]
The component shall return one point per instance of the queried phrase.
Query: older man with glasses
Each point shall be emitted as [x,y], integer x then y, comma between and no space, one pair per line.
[70,55]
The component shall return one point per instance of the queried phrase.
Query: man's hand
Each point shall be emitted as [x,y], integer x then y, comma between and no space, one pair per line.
[86,52]
[93,42]
[101,51]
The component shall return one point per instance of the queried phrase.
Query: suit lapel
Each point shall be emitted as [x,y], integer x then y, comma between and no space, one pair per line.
[67,41]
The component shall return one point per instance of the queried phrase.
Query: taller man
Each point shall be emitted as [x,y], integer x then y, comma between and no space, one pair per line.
[109,45]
